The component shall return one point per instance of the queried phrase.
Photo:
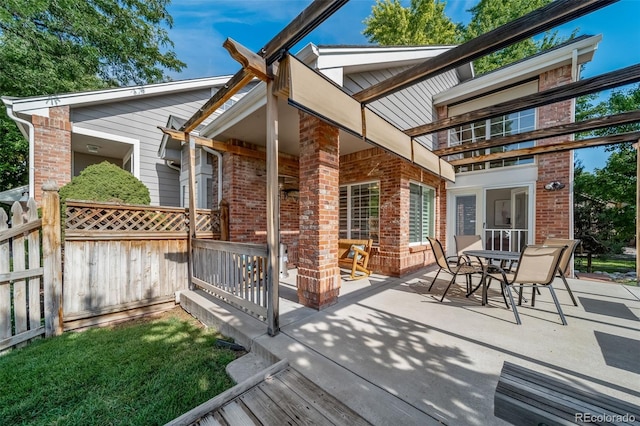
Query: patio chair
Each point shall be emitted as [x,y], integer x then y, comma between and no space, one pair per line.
[565,261]
[537,267]
[454,265]
[468,242]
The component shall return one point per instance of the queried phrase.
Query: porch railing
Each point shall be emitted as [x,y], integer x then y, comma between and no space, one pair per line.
[236,272]
[506,239]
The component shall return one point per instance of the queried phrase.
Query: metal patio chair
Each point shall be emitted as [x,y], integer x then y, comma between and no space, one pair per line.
[537,267]
[565,261]
[454,265]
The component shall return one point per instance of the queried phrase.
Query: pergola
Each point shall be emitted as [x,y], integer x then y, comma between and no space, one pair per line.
[309,91]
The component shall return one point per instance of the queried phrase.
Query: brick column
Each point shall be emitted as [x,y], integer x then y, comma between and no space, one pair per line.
[553,208]
[318,274]
[52,159]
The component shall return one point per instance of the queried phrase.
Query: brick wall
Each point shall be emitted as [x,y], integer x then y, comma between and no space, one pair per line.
[244,186]
[553,208]
[393,256]
[52,143]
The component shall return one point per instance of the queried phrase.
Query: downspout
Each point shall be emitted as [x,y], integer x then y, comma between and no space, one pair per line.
[219,156]
[31,139]
[170,165]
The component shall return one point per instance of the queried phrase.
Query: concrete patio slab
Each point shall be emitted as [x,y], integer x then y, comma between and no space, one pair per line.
[396,355]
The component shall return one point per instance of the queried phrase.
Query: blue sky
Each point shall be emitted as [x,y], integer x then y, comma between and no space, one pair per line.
[201,26]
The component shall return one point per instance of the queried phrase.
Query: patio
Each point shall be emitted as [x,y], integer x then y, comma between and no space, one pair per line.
[394,354]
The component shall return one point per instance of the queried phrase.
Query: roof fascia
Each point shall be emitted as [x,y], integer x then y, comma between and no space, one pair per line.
[31,104]
[353,59]
[520,71]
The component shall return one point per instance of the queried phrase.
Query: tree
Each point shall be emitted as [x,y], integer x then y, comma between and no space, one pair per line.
[606,198]
[425,22]
[57,46]
[488,15]
[422,23]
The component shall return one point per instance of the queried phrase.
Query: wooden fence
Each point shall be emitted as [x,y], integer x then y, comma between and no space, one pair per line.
[236,272]
[124,260]
[30,276]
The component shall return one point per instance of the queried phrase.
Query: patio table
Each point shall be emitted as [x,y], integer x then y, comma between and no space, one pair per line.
[489,255]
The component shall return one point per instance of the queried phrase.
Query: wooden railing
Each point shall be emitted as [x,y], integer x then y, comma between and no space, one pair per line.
[236,272]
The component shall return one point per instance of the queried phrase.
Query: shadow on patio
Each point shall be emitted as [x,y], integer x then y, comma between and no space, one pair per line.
[392,352]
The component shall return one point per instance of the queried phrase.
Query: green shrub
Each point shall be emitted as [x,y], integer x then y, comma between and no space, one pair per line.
[105,182]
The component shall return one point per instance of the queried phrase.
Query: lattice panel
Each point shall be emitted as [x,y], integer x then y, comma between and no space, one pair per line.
[118,218]
[208,221]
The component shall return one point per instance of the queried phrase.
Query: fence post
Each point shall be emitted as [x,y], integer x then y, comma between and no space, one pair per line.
[51,247]
[224,220]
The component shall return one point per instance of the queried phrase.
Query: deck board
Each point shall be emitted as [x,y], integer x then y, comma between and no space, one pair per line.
[283,398]
[264,408]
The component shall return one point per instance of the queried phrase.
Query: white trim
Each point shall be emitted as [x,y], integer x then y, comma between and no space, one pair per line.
[135,163]
[31,104]
[520,71]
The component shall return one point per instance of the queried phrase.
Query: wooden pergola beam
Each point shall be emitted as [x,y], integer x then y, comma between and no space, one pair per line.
[238,81]
[308,20]
[547,132]
[249,60]
[546,149]
[316,13]
[578,88]
[225,147]
[555,13]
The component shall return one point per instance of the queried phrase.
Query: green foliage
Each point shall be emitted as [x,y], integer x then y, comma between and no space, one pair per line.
[142,373]
[422,23]
[105,182]
[14,152]
[488,15]
[49,47]
[425,22]
[606,199]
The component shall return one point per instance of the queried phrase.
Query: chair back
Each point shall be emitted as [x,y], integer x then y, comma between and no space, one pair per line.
[468,242]
[438,253]
[568,253]
[538,264]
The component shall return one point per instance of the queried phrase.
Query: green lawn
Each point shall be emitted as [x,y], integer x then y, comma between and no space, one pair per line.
[606,265]
[144,372]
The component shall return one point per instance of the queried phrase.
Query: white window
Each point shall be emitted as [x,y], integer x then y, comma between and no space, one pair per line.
[421,213]
[505,125]
[360,211]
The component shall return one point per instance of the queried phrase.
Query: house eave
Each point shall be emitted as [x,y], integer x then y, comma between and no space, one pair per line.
[520,71]
[247,105]
[30,105]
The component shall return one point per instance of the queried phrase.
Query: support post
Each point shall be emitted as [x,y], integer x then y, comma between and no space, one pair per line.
[637,147]
[224,220]
[52,258]
[273,214]
[192,206]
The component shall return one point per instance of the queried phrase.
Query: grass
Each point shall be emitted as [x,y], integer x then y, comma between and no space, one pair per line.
[609,265]
[143,372]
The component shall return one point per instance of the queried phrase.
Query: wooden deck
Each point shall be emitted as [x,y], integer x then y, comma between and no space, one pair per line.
[277,396]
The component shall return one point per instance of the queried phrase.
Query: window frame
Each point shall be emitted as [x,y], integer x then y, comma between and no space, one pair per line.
[488,125]
[432,215]
[350,213]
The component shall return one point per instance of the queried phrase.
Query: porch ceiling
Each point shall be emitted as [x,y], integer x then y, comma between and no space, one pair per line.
[84,144]
[252,128]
